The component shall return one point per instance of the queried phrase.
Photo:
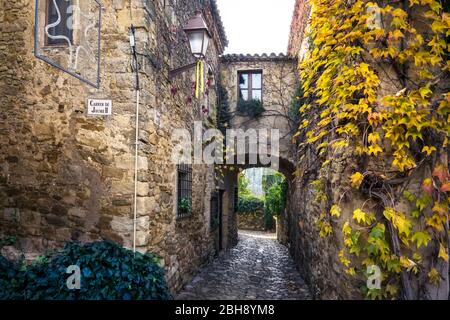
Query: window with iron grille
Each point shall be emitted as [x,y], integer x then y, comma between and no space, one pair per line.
[184,201]
[59,20]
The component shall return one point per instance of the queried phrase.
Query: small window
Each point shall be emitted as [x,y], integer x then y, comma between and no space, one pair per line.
[59,22]
[250,85]
[184,201]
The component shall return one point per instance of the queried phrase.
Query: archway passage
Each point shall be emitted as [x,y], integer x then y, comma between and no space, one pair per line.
[254,265]
[262,199]
[257,264]
[229,184]
[258,267]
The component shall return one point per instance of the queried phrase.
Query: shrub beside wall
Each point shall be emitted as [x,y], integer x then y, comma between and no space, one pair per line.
[249,204]
[108,272]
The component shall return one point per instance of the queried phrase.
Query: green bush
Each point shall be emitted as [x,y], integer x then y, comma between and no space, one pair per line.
[108,272]
[223,110]
[249,204]
[275,202]
[243,186]
[250,108]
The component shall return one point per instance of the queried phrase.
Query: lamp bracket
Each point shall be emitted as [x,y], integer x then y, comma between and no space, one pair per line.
[173,73]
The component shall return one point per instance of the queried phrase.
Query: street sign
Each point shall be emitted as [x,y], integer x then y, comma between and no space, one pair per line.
[99,107]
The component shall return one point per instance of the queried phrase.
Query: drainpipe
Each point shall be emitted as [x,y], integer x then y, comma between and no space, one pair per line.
[136,149]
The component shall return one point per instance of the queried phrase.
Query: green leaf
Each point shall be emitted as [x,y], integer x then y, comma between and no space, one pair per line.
[423,201]
[377,232]
[421,238]
[415,213]
[409,196]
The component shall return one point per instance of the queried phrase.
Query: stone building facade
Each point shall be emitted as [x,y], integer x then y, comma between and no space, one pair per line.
[65,175]
[276,87]
[278,74]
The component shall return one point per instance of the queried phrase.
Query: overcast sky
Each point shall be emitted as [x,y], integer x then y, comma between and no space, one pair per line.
[256,26]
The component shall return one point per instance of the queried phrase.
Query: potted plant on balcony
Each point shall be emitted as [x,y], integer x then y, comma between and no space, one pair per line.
[185,206]
[250,108]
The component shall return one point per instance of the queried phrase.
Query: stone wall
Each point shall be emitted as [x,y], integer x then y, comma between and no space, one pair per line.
[251,221]
[67,176]
[297,46]
[279,81]
[316,256]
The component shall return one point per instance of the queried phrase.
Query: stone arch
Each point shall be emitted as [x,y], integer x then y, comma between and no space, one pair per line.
[229,184]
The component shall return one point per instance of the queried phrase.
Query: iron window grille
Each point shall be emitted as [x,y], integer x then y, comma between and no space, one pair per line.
[184,195]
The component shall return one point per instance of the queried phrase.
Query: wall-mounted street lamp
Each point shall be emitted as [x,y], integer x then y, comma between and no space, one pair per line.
[199,37]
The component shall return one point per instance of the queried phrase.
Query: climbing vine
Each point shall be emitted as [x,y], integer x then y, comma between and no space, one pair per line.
[376,89]
[223,109]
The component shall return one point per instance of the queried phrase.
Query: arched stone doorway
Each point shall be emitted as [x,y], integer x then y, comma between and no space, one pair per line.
[228,185]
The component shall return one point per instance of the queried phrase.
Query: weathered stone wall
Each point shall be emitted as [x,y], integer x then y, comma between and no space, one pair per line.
[279,82]
[251,221]
[297,46]
[66,176]
[316,256]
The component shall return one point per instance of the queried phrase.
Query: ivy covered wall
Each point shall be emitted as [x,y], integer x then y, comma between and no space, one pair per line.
[372,175]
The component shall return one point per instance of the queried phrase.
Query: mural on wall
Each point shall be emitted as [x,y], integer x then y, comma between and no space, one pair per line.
[67,36]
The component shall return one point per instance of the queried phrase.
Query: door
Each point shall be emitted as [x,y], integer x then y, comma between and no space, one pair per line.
[216,216]
[221,192]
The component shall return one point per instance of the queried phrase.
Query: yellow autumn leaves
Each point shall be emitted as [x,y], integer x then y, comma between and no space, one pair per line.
[356,179]
[341,78]
[348,89]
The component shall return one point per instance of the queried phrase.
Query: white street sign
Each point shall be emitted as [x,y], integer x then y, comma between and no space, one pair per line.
[99,107]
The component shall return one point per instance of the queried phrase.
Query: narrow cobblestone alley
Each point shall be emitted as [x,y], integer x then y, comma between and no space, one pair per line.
[257,268]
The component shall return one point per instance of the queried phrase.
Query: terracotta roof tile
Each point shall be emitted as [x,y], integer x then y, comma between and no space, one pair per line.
[216,14]
[256,57]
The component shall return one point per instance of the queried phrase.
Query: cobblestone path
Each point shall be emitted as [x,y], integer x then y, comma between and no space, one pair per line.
[257,268]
